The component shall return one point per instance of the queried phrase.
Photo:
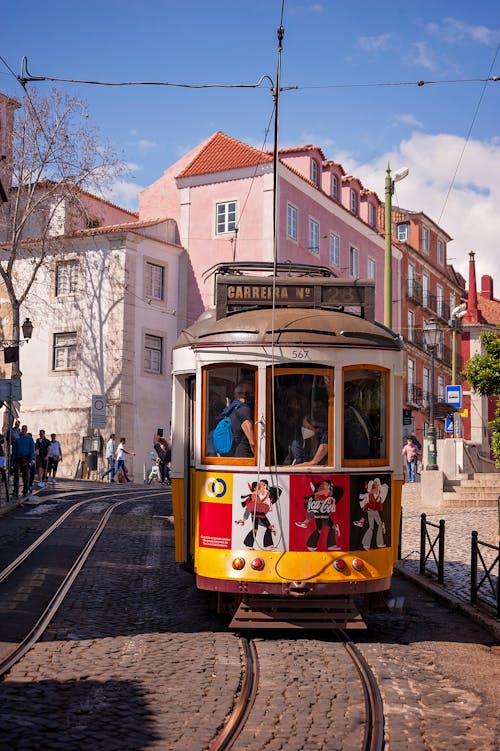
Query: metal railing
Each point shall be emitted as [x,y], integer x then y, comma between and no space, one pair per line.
[439,539]
[486,578]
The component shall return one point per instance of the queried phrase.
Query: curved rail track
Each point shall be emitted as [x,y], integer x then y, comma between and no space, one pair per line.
[23,643]
[373,737]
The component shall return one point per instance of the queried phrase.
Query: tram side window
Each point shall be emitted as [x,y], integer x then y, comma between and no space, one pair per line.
[301,409]
[365,414]
[230,390]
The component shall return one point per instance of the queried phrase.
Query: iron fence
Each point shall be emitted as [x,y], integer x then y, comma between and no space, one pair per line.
[439,539]
[486,578]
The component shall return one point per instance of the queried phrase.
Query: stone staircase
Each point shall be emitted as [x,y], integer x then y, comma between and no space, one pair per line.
[479,489]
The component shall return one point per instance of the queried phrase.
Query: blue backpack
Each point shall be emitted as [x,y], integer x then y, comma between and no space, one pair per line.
[222,435]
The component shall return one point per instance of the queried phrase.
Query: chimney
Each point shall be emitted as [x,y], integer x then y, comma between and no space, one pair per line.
[473,314]
[487,287]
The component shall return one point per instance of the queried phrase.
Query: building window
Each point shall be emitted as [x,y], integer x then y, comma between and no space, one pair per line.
[425,290]
[154,281]
[411,280]
[440,394]
[354,202]
[411,325]
[425,384]
[440,252]
[411,382]
[439,300]
[314,236]
[371,215]
[67,278]
[226,217]
[314,172]
[153,354]
[291,222]
[334,187]
[403,232]
[64,351]
[371,269]
[424,239]
[353,262]
[334,249]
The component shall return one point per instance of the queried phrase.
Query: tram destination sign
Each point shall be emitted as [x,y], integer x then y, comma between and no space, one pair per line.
[236,293]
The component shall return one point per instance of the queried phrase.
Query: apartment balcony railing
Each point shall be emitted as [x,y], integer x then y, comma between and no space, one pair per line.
[431,302]
[414,291]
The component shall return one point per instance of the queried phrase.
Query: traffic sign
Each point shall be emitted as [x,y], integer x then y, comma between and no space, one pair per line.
[454,396]
[98,412]
[10,390]
[448,424]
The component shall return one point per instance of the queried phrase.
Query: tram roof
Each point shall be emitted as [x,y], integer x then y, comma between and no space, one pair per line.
[290,326]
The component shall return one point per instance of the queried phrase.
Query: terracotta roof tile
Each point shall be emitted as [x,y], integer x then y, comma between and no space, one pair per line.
[224,153]
[490,309]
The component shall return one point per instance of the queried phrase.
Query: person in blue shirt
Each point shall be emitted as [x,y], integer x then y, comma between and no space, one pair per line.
[23,454]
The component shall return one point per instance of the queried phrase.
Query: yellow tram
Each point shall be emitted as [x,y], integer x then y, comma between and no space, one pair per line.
[287,433]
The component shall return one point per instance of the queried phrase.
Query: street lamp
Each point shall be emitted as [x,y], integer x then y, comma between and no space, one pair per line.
[389,190]
[432,338]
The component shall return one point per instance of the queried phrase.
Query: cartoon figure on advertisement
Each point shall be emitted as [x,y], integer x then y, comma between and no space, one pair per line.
[320,506]
[257,504]
[372,503]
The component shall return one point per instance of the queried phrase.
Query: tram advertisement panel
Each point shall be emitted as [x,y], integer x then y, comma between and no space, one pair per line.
[313,512]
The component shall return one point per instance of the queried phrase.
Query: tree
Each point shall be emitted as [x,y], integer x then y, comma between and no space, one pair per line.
[483,374]
[55,162]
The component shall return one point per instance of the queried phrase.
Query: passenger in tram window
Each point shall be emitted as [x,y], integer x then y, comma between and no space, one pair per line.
[295,430]
[320,457]
[242,421]
[358,429]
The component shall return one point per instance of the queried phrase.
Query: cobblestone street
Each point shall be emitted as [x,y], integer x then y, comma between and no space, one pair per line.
[459,524]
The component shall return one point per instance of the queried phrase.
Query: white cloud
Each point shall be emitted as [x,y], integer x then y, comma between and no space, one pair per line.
[469,214]
[374,43]
[452,31]
[124,193]
[407,118]
[144,145]
[420,54]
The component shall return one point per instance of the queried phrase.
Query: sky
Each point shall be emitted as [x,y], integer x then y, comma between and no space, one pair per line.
[353,69]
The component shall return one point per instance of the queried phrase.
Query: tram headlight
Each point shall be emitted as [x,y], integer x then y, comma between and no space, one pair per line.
[258,564]
[358,564]
[239,563]
[340,565]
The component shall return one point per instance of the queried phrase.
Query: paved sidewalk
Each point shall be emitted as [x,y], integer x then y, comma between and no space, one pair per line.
[459,525]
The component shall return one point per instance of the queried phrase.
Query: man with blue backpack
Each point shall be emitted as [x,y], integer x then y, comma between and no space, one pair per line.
[233,434]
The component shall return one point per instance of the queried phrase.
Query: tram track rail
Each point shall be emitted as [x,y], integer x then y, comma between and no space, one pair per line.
[25,642]
[373,735]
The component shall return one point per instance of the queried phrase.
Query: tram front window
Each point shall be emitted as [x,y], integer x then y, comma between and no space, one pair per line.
[365,414]
[229,391]
[299,401]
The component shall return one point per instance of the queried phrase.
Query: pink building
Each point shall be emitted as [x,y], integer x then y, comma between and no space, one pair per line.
[221,196]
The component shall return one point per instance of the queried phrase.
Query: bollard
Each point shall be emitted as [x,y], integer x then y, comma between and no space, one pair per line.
[441,552]
[423,517]
[473,569]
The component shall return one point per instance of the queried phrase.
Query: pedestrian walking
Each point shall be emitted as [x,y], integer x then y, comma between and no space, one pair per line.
[24,457]
[41,457]
[110,458]
[54,457]
[3,466]
[410,453]
[121,451]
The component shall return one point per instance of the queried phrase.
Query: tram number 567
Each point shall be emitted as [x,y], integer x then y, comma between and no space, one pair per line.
[300,354]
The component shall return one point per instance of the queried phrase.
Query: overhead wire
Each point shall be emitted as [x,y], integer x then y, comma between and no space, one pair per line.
[474,117]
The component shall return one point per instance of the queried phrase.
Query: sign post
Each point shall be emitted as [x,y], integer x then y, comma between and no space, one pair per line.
[98,412]
[454,396]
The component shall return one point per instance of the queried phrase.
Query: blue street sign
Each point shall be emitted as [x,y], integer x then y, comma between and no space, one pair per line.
[448,425]
[454,396]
